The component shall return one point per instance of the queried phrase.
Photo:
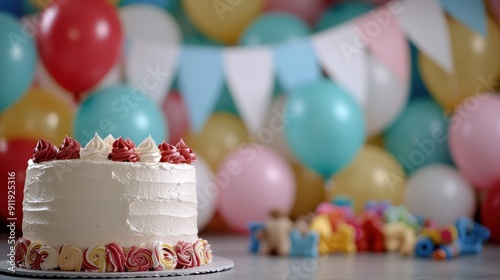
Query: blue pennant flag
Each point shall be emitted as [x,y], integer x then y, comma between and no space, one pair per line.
[469,12]
[296,64]
[200,81]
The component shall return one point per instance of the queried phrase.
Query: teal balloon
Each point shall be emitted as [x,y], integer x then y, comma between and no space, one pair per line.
[418,88]
[226,103]
[162,4]
[28,7]
[121,111]
[324,127]
[274,28]
[341,13]
[419,137]
[17,60]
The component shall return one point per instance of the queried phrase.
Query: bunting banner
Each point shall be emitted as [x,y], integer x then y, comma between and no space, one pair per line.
[250,78]
[470,13]
[296,64]
[344,59]
[201,79]
[430,33]
[386,40]
[151,67]
[345,52]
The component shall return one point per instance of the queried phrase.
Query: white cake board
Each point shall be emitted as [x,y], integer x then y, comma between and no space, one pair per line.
[218,264]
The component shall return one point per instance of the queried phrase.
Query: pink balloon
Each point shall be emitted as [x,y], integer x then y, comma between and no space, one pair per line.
[475,137]
[175,111]
[252,181]
[307,10]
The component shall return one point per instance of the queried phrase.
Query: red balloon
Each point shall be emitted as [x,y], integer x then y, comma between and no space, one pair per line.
[174,110]
[79,42]
[14,156]
[307,10]
[490,212]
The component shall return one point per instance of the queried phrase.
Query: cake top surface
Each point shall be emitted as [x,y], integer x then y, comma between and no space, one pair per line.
[111,149]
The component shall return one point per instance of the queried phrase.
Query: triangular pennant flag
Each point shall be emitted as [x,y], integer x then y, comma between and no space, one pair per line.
[296,64]
[343,59]
[386,40]
[151,66]
[200,80]
[250,77]
[430,34]
[470,13]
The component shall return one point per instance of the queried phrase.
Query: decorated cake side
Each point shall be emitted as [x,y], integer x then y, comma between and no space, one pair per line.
[111,207]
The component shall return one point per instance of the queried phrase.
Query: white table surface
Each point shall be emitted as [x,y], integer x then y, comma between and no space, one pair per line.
[358,266]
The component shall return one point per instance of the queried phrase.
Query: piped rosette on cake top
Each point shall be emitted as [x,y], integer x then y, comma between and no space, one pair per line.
[112,257]
[119,150]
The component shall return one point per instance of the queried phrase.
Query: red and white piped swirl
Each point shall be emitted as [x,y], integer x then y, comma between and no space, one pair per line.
[139,258]
[32,260]
[94,258]
[186,256]
[21,251]
[115,258]
[164,256]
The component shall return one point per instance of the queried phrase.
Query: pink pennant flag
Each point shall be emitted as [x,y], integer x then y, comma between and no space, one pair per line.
[380,30]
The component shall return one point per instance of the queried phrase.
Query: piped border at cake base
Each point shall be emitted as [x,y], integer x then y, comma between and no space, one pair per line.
[218,264]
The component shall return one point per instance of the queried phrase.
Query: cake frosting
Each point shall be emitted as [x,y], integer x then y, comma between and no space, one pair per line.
[102,209]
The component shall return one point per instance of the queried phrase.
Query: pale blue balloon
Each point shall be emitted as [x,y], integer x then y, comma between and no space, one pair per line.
[324,127]
[121,111]
[340,13]
[274,28]
[17,60]
[419,137]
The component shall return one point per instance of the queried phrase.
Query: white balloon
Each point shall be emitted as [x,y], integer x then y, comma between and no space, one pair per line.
[387,97]
[142,22]
[441,193]
[272,132]
[206,192]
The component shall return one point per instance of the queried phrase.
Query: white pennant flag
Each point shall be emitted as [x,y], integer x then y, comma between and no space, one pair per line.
[250,78]
[343,57]
[430,32]
[151,66]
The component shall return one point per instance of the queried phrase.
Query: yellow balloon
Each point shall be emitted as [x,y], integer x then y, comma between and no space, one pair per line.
[476,61]
[310,190]
[222,134]
[377,140]
[222,20]
[374,175]
[39,114]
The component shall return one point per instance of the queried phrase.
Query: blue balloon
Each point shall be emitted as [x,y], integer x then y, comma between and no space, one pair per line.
[13,7]
[341,13]
[419,136]
[121,111]
[17,60]
[418,88]
[274,28]
[324,127]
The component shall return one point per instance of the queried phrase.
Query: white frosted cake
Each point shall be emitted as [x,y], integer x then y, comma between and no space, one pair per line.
[111,207]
